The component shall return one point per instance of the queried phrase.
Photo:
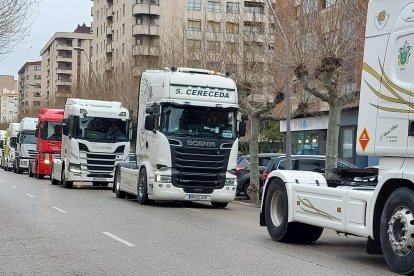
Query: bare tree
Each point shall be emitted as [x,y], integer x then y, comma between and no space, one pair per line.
[14,22]
[321,47]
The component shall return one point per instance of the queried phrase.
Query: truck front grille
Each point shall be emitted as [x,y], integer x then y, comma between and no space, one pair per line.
[31,153]
[99,164]
[199,169]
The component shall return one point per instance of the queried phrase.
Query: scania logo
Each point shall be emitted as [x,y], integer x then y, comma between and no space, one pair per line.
[99,147]
[195,143]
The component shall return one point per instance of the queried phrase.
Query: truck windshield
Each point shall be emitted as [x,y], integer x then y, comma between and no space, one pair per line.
[101,129]
[52,131]
[28,138]
[203,122]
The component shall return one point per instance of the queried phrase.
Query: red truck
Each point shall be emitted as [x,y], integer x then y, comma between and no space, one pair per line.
[48,145]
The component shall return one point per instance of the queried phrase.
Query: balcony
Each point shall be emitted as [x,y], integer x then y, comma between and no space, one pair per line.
[109,31]
[139,50]
[64,70]
[109,13]
[64,82]
[145,30]
[154,51]
[63,46]
[64,58]
[109,48]
[141,8]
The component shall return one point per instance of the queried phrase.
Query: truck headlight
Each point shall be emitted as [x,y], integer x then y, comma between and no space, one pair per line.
[47,161]
[230,182]
[75,168]
[164,178]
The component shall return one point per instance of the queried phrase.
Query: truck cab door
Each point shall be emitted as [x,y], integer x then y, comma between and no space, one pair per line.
[395,100]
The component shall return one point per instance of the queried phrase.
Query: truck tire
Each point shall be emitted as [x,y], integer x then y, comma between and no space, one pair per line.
[142,189]
[246,190]
[117,185]
[276,216]
[39,176]
[29,171]
[65,183]
[52,180]
[219,205]
[397,231]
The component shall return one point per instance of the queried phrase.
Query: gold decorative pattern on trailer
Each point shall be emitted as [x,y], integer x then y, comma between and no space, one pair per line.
[315,211]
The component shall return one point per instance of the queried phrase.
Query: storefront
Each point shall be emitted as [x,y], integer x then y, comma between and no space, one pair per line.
[309,137]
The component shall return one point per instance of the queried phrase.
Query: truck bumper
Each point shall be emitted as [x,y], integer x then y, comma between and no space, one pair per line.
[24,163]
[82,177]
[166,191]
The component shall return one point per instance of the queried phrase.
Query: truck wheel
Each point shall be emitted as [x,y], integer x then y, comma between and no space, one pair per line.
[397,231]
[39,176]
[219,204]
[142,189]
[276,216]
[65,183]
[117,184]
[30,172]
[52,180]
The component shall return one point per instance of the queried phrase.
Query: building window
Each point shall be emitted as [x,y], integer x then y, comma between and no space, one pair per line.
[123,29]
[232,48]
[194,45]
[123,10]
[214,6]
[154,41]
[213,27]
[213,46]
[139,41]
[250,27]
[123,48]
[233,8]
[155,2]
[139,20]
[194,25]
[254,8]
[232,28]
[194,5]
[154,21]
[328,3]
[37,68]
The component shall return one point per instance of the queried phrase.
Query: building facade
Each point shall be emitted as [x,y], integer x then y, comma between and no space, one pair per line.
[29,87]
[65,59]
[196,33]
[9,100]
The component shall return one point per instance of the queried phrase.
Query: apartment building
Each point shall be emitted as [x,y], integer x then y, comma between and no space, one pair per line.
[65,59]
[8,99]
[197,33]
[29,87]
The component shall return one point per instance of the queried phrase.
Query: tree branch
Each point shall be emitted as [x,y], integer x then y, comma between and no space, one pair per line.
[349,97]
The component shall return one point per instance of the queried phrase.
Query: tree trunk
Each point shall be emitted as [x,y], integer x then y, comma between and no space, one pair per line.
[332,138]
[254,160]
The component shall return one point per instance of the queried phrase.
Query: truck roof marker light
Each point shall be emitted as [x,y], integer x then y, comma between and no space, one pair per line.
[83,111]
[122,114]
[219,105]
[187,103]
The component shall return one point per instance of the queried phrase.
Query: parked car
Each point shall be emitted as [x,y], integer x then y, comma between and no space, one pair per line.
[314,163]
[243,170]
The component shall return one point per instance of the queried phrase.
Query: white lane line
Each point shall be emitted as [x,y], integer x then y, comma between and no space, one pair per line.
[118,239]
[29,195]
[2,180]
[194,210]
[14,187]
[60,210]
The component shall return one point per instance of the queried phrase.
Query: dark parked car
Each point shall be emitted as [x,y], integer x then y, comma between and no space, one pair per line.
[314,163]
[243,170]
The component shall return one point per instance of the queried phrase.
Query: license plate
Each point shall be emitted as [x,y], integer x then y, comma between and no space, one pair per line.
[99,179]
[198,197]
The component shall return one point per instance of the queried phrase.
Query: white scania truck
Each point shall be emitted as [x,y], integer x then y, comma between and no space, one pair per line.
[26,145]
[187,139]
[94,141]
[297,206]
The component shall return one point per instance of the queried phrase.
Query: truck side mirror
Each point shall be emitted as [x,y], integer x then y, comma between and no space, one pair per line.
[149,110]
[37,132]
[242,129]
[149,122]
[244,117]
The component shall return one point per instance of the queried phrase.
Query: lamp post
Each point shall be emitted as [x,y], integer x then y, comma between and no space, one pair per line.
[79,49]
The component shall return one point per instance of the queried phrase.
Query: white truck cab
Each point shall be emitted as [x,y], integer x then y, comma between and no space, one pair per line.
[296,206]
[10,145]
[94,141]
[187,139]
[26,144]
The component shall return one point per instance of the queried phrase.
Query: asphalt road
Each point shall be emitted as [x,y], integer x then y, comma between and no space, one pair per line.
[50,230]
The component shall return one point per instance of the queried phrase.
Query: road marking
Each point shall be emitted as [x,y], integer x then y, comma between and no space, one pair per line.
[2,180]
[14,187]
[29,195]
[191,209]
[60,210]
[118,239]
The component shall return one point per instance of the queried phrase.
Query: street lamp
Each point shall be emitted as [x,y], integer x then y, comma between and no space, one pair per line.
[89,61]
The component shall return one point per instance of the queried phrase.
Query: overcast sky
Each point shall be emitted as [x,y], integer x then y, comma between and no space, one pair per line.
[52,16]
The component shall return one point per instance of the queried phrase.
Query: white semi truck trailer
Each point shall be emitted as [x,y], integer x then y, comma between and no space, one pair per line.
[297,206]
[94,141]
[187,139]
